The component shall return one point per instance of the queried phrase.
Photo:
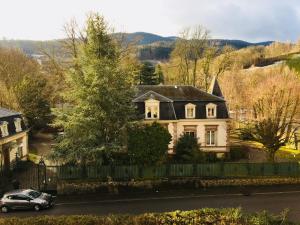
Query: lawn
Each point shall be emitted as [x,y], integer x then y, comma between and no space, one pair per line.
[294,63]
[286,153]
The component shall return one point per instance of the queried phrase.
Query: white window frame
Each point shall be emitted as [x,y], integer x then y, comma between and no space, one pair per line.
[4,129]
[211,131]
[189,130]
[154,106]
[213,107]
[18,125]
[190,106]
[211,141]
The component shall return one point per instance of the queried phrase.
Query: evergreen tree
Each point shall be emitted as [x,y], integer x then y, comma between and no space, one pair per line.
[100,94]
[188,149]
[148,144]
[159,74]
[147,74]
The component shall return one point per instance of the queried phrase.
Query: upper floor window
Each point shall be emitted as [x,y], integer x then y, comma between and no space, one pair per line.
[151,109]
[211,110]
[190,111]
[18,124]
[4,129]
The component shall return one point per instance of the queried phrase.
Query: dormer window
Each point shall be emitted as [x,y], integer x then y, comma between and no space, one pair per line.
[4,129]
[211,110]
[190,111]
[18,124]
[151,109]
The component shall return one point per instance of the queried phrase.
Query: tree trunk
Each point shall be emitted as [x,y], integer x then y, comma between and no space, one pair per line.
[194,72]
[206,82]
[271,155]
[83,167]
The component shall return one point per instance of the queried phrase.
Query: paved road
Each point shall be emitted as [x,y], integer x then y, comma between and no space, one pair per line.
[274,202]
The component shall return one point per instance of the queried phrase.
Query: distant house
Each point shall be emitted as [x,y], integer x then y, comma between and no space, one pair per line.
[187,110]
[13,138]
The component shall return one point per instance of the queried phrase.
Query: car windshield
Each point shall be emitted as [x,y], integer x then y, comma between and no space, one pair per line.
[34,194]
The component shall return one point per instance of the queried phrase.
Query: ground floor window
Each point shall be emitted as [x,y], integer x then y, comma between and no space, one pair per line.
[191,133]
[190,130]
[211,135]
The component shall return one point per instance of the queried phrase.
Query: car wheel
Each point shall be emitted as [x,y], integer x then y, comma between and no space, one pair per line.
[37,207]
[4,209]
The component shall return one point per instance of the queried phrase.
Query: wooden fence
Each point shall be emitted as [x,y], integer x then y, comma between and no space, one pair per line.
[211,170]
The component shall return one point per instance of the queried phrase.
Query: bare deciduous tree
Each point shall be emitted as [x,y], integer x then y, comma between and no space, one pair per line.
[189,49]
[274,113]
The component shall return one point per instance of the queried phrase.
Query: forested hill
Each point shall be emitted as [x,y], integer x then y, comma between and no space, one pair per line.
[143,38]
[151,46]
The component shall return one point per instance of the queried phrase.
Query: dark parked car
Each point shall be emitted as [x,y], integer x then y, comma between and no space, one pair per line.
[26,199]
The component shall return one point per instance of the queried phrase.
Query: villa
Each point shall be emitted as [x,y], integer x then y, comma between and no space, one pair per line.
[187,110]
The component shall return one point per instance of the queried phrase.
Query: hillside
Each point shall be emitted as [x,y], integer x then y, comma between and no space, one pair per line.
[143,38]
[31,47]
[151,46]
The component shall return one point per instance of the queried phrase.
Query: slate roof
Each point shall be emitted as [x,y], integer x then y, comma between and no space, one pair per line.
[6,112]
[178,93]
[9,116]
[152,95]
[174,98]
[215,89]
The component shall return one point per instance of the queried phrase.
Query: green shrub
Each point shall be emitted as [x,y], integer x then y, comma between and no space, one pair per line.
[246,132]
[204,216]
[211,157]
[115,158]
[260,181]
[188,150]
[238,152]
[294,63]
[148,144]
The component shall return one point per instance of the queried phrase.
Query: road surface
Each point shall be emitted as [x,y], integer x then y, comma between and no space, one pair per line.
[274,202]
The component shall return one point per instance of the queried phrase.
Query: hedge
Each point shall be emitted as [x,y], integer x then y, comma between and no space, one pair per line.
[73,187]
[234,216]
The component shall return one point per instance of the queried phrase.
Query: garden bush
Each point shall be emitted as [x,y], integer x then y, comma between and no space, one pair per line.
[204,216]
[238,152]
[211,157]
[246,132]
[269,181]
[78,187]
[188,150]
[148,144]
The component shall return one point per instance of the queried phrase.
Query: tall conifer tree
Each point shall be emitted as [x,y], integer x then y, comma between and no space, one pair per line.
[100,94]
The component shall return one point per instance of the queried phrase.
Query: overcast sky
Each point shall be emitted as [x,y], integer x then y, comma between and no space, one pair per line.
[251,20]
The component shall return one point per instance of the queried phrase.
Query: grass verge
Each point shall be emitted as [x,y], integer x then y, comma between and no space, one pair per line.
[205,216]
